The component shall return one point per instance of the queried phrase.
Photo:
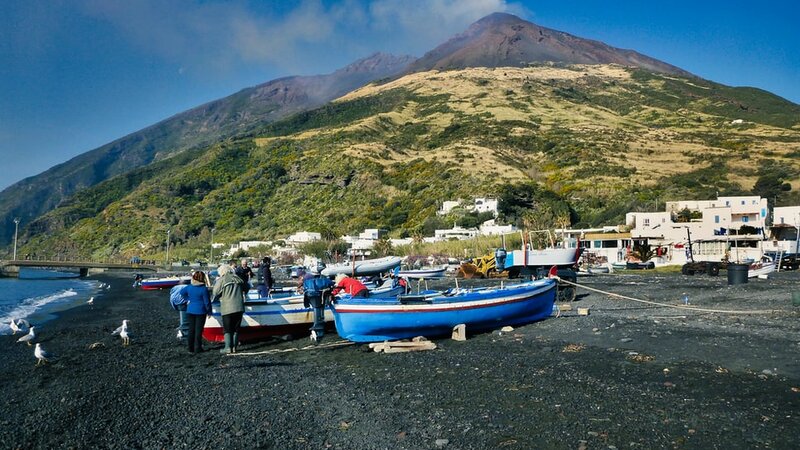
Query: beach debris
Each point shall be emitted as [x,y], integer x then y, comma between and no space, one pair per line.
[721,369]
[441,442]
[507,329]
[122,331]
[583,311]
[41,355]
[564,307]
[638,357]
[625,340]
[28,338]
[402,346]
[459,332]
[573,348]
[795,389]
[96,345]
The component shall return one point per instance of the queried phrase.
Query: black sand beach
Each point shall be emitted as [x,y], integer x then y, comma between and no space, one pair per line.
[628,375]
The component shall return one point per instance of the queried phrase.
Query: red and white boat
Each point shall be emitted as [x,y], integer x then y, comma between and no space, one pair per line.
[282,313]
[762,268]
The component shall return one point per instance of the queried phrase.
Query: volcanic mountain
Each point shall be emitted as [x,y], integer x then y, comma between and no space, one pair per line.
[196,128]
[505,40]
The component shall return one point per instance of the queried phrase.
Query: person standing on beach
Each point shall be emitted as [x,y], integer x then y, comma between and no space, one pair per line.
[265,281]
[245,273]
[197,308]
[228,290]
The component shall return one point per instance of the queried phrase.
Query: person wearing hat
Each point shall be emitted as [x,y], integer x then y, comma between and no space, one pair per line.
[350,286]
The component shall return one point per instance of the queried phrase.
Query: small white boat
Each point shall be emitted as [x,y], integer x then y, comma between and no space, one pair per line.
[762,268]
[364,267]
[418,274]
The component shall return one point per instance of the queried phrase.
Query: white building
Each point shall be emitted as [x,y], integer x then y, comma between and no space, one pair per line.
[715,234]
[479,205]
[447,206]
[785,230]
[482,205]
[456,232]
[302,237]
[490,228]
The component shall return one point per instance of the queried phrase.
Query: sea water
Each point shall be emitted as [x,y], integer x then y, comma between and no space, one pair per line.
[37,295]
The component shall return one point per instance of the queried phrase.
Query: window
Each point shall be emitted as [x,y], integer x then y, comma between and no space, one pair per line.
[727,203]
[646,222]
[763,212]
[743,202]
[597,244]
[745,219]
[716,219]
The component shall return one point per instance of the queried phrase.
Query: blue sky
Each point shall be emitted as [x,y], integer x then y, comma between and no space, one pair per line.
[76,74]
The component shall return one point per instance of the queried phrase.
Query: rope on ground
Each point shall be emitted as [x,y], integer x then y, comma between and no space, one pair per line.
[286,350]
[667,305]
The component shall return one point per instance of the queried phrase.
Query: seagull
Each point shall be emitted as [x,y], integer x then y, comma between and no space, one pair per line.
[122,331]
[15,325]
[126,340]
[90,301]
[41,354]
[108,286]
[180,334]
[28,337]
[313,336]
[119,329]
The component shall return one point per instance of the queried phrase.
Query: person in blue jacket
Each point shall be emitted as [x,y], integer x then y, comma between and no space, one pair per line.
[178,303]
[197,308]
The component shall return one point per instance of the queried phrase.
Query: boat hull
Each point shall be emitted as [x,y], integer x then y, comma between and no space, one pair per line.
[422,273]
[375,321]
[151,284]
[281,314]
[361,268]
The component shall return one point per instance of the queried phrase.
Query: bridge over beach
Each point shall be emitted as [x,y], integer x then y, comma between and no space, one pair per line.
[10,268]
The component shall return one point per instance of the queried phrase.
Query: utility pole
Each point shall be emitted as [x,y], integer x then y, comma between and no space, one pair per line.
[211,258]
[168,231]
[16,229]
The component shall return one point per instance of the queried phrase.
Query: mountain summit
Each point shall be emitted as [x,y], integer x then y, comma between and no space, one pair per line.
[505,40]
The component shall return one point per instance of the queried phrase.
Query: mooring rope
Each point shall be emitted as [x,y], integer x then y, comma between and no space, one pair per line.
[667,305]
[285,350]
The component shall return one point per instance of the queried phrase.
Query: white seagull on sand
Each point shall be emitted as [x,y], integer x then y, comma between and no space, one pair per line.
[41,355]
[90,301]
[313,336]
[15,325]
[122,331]
[28,338]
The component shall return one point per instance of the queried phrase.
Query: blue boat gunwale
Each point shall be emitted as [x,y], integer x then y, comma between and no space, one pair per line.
[461,299]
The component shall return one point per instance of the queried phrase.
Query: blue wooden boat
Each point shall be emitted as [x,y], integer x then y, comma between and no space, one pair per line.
[436,313]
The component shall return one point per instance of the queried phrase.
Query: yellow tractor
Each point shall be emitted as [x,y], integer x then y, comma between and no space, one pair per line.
[480,267]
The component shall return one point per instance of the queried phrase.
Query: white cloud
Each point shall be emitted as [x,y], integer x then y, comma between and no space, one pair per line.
[222,36]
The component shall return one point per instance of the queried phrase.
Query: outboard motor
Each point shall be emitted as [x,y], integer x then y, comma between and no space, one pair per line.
[315,290]
[500,259]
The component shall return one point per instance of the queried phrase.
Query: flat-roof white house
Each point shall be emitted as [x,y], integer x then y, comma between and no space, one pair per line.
[711,234]
[302,237]
[455,233]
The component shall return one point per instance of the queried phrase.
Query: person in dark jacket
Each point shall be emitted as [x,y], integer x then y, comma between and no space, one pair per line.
[265,281]
[197,308]
[245,273]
